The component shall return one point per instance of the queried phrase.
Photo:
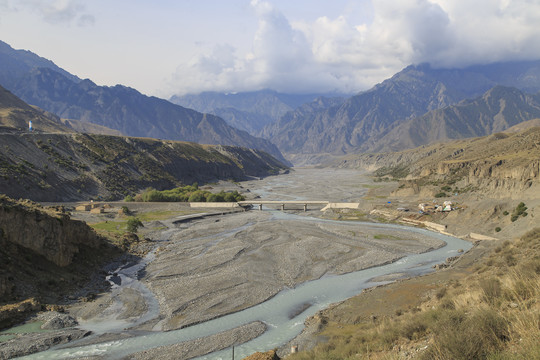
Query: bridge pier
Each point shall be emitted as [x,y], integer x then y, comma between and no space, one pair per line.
[260,207]
[282,207]
[305,207]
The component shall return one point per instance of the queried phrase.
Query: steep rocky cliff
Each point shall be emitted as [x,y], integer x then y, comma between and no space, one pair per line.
[44,255]
[52,235]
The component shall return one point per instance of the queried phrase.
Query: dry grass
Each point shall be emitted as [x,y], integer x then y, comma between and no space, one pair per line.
[493,313]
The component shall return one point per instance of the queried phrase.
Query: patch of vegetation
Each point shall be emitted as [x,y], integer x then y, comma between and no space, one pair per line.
[520,210]
[115,227]
[395,172]
[188,193]
[441,195]
[162,214]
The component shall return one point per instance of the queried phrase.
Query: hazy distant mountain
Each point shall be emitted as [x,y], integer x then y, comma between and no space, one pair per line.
[409,94]
[249,111]
[497,110]
[16,63]
[118,107]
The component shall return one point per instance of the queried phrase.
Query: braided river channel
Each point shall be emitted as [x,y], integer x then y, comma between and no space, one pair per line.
[284,313]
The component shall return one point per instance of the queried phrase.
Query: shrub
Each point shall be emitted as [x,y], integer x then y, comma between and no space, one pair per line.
[441,194]
[520,210]
[510,260]
[447,304]
[440,293]
[461,336]
[213,198]
[197,196]
[129,198]
[133,224]
[497,229]
[414,328]
[491,287]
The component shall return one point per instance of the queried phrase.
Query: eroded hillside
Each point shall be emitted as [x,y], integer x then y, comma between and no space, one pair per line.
[62,167]
[502,164]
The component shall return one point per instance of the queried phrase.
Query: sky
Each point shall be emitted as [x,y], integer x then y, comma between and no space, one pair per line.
[167,47]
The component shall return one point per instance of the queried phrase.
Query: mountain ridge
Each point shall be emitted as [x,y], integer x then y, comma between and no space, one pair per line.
[496,110]
[411,93]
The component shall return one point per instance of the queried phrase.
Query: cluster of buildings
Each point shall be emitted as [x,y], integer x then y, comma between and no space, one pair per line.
[94,208]
[428,208]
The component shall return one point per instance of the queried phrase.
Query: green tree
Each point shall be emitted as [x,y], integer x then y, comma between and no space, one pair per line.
[197,196]
[133,224]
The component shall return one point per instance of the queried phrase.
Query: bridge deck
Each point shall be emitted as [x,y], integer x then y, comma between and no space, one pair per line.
[286,202]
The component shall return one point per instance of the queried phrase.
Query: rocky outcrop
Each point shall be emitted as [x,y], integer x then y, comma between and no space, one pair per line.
[55,237]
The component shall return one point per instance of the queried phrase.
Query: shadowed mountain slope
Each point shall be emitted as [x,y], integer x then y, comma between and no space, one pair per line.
[497,110]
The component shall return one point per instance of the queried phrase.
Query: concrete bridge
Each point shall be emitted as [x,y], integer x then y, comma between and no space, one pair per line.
[326,204]
[305,203]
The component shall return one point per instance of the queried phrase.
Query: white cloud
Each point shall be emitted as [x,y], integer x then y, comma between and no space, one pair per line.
[334,54]
[59,11]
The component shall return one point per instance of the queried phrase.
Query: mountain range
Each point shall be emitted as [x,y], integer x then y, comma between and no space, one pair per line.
[417,106]
[362,120]
[39,82]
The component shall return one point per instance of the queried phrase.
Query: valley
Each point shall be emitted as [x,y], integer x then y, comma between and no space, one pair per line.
[206,268]
[442,166]
[202,270]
